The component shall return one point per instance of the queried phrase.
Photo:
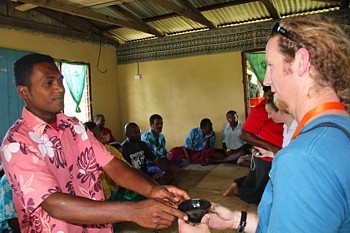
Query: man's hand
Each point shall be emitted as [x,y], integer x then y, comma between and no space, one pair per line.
[155,214]
[169,193]
[191,228]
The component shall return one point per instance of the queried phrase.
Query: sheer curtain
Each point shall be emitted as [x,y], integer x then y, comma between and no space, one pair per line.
[257,62]
[74,76]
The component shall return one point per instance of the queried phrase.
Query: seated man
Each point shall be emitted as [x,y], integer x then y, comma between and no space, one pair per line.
[106,134]
[111,190]
[156,142]
[198,146]
[233,146]
[136,152]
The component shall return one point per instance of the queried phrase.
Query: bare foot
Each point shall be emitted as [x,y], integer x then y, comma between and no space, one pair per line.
[232,190]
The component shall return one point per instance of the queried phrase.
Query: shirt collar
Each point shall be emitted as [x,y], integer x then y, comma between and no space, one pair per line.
[37,124]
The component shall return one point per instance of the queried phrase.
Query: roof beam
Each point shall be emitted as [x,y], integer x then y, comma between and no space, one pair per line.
[187,12]
[201,9]
[89,14]
[271,9]
[193,10]
[64,32]
[224,4]
[74,23]
[126,14]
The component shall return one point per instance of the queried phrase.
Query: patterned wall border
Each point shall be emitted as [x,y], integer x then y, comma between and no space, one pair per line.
[220,40]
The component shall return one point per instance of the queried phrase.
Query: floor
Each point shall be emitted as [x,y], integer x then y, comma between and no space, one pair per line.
[206,182]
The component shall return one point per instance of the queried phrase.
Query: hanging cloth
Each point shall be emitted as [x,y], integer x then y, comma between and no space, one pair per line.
[74,76]
[258,64]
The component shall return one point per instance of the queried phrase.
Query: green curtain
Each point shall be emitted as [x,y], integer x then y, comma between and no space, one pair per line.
[75,75]
[257,62]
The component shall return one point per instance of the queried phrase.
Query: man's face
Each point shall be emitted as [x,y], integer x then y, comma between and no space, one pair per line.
[45,96]
[207,130]
[100,122]
[134,134]
[279,74]
[232,118]
[157,125]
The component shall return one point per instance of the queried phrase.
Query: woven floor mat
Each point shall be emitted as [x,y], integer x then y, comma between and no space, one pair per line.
[216,181]
[206,182]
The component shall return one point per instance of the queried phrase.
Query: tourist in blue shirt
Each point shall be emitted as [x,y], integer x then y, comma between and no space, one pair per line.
[309,187]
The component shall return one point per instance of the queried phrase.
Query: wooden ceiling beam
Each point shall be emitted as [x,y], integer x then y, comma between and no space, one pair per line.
[194,11]
[89,14]
[271,9]
[74,23]
[224,4]
[64,32]
[186,12]
[126,14]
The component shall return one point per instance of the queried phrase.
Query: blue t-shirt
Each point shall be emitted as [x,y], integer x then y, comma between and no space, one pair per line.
[195,140]
[157,146]
[7,208]
[309,187]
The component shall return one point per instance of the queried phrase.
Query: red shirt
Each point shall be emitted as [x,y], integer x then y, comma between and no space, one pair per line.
[263,127]
[107,136]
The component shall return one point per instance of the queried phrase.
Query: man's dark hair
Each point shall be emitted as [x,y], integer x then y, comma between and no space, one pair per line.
[23,67]
[90,125]
[98,116]
[205,122]
[231,112]
[153,117]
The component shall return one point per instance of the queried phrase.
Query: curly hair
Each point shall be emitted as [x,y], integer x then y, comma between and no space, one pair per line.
[328,46]
[23,67]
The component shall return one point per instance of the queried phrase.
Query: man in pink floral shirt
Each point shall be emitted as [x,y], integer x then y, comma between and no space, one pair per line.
[53,163]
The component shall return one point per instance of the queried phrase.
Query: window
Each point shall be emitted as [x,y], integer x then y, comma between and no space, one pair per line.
[77,85]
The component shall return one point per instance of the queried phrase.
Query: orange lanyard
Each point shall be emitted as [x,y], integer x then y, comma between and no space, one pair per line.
[315,111]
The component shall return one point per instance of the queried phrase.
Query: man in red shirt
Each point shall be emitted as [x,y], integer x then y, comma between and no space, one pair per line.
[106,134]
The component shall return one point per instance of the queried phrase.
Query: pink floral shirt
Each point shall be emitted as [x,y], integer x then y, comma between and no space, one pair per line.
[40,160]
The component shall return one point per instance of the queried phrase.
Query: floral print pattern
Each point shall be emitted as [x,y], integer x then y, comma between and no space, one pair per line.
[47,161]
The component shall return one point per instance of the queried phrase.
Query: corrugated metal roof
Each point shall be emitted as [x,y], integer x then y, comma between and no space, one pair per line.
[133,20]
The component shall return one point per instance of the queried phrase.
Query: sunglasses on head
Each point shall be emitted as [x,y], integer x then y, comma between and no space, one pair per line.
[288,34]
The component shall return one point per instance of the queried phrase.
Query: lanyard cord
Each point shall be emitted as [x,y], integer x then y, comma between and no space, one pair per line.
[315,111]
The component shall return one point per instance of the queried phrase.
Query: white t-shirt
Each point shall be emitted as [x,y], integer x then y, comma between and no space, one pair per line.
[288,133]
[231,136]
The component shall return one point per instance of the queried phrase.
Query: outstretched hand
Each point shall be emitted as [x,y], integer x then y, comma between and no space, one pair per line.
[155,214]
[169,193]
